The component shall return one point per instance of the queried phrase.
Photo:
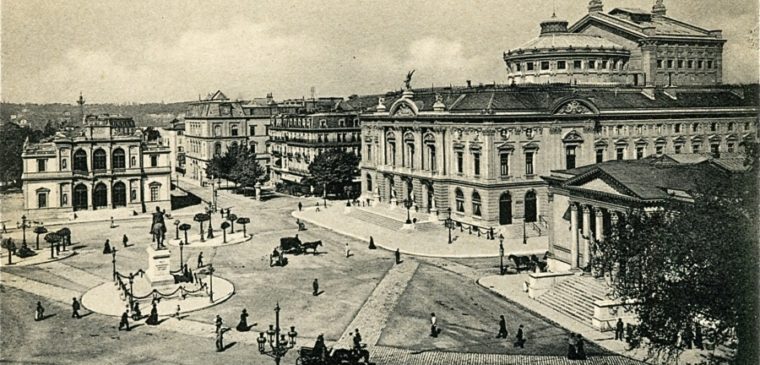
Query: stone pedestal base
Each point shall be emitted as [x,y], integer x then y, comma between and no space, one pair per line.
[394,203]
[158,267]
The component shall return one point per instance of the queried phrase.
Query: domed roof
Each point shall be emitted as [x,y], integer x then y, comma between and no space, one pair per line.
[568,40]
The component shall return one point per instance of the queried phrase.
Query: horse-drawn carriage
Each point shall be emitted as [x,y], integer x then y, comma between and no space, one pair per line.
[529,263]
[310,356]
[293,245]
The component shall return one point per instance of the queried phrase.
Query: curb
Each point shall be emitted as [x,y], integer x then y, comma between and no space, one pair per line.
[59,258]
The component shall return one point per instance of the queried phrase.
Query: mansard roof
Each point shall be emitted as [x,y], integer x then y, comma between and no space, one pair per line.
[642,24]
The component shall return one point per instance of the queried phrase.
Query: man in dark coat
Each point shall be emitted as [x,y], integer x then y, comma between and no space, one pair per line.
[200,260]
[75,308]
[503,333]
[520,338]
[124,323]
[398,256]
[619,330]
[300,206]
[315,286]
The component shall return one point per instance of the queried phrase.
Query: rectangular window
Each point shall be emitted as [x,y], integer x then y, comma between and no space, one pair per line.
[234,130]
[614,65]
[670,63]
[599,155]
[42,200]
[604,65]
[713,127]
[680,63]
[64,200]
[504,164]
[577,64]
[746,126]
[731,126]
[460,162]
[678,148]
[695,127]
[695,148]
[690,64]
[677,128]
[699,64]
[570,157]
[730,148]
[639,153]
[709,64]
[658,149]
[153,161]
[41,164]
[369,152]
[561,65]
[715,150]
[591,65]
[544,65]
[154,193]
[476,163]
[518,67]
[529,66]
[433,161]
[620,153]
[659,63]
[528,163]
[252,130]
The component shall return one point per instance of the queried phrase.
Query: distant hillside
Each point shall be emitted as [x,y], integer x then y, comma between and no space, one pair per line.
[145,115]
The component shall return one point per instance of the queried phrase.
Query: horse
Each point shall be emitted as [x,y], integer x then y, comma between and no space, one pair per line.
[351,356]
[311,246]
[158,231]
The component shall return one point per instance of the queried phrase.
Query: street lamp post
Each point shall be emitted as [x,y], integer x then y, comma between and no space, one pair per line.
[211,282]
[449,222]
[525,236]
[210,227]
[23,229]
[277,341]
[181,261]
[113,261]
[501,254]
[131,281]
[408,204]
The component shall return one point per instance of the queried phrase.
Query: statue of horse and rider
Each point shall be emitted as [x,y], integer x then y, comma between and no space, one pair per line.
[158,228]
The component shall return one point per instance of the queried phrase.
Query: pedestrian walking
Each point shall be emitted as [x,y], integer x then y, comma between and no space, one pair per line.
[520,337]
[176,314]
[300,206]
[75,306]
[372,243]
[39,312]
[503,333]
[153,317]
[218,323]
[5,230]
[433,325]
[125,240]
[315,286]
[220,340]
[580,351]
[136,314]
[200,260]
[243,324]
[619,330]
[124,323]
[348,251]
[112,225]
[398,256]
[107,247]
[572,347]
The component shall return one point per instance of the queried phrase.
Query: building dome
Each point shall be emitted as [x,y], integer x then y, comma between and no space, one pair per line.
[558,56]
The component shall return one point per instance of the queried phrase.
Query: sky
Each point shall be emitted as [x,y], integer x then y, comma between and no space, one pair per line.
[172,50]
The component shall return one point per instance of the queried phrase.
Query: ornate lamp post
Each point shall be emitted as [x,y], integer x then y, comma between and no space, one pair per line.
[501,254]
[525,235]
[211,282]
[24,226]
[210,227]
[176,229]
[113,261]
[131,281]
[408,204]
[449,222]
[277,341]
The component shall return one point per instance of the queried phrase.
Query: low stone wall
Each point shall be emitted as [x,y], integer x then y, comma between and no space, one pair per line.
[540,283]
[607,312]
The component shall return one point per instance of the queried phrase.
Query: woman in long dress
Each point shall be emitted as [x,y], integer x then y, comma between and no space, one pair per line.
[107,247]
[153,318]
[39,312]
[243,325]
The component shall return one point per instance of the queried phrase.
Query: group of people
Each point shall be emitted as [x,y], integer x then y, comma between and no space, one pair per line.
[137,315]
[575,347]
[520,337]
[107,248]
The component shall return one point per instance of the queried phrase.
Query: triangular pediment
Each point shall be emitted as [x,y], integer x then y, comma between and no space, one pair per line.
[599,185]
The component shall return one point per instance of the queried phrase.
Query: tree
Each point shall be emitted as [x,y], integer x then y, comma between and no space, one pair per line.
[200,218]
[243,221]
[232,218]
[52,238]
[39,230]
[246,171]
[692,264]
[184,227]
[65,236]
[225,225]
[224,165]
[7,243]
[334,169]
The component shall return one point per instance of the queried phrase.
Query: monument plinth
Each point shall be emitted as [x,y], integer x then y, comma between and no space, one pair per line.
[158,267]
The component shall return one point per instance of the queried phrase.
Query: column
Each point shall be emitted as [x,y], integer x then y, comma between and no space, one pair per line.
[586,235]
[424,195]
[419,150]
[573,235]
[440,151]
[599,234]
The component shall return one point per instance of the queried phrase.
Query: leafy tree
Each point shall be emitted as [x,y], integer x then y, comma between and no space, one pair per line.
[223,165]
[7,243]
[692,264]
[200,218]
[247,171]
[39,230]
[225,225]
[244,221]
[334,169]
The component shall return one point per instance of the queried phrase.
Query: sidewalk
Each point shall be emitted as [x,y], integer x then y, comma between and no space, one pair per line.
[430,239]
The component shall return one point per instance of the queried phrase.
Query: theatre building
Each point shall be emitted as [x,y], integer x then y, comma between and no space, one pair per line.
[104,164]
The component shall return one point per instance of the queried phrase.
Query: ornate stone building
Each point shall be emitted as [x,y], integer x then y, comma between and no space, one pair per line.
[625,46]
[103,164]
[482,151]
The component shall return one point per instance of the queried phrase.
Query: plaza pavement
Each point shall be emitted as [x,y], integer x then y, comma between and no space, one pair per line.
[428,239]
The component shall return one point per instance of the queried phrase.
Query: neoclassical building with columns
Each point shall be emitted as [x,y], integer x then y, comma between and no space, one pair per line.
[481,151]
[104,164]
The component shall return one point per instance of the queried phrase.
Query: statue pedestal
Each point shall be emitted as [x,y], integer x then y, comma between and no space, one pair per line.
[394,203]
[158,267]
[434,214]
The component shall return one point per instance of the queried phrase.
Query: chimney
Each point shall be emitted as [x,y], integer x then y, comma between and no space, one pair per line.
[659,8]
[595,6]
[469,83]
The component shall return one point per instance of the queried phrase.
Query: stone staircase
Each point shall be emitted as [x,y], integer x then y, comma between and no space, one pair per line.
[376,219]
[574,297]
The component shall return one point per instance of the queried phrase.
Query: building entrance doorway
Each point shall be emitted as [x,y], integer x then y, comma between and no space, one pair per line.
[100,196]
[80,197]
[505,208]
[530,206]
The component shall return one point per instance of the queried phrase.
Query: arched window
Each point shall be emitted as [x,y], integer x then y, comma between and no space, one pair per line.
[369,182]
[234,130]
[530,206]
[80,161]
[217,149]
[99,159]
[459,197]
[475,204]
[118,161]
